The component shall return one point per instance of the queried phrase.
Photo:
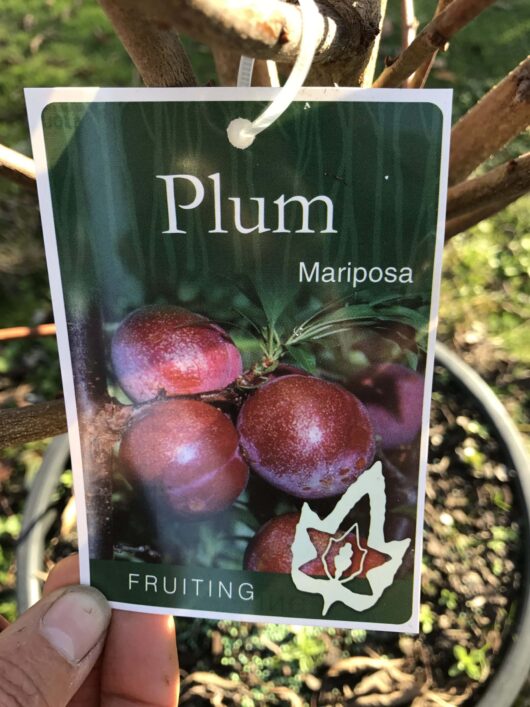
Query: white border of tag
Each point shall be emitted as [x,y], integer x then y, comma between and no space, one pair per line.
[36,100]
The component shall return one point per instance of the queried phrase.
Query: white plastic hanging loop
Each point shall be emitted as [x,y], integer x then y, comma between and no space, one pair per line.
[244,75]
[241,132]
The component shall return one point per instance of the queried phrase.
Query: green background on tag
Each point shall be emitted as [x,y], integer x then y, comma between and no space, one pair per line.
[379,163]
[274,594]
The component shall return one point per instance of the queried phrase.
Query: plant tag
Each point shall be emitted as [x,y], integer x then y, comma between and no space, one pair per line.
[246,341]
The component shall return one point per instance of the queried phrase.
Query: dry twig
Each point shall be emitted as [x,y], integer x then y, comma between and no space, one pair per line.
[23,332]
[419,78]
[409,23]
[357,664]
[17,167]
[393,699]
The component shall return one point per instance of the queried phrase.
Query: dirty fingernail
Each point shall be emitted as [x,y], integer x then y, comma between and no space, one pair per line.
[76,622]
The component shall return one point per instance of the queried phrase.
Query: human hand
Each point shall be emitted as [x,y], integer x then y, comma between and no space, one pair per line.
[69,650]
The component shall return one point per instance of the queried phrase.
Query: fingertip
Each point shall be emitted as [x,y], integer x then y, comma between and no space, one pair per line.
[64,573]
[147,642]
[76,621]
[50,651]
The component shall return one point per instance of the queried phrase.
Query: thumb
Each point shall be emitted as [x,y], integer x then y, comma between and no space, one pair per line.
[46,655]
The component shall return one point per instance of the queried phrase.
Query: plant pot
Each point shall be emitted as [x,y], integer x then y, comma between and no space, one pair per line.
[513,662]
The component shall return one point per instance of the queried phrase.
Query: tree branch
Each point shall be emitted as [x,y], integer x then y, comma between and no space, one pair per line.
[26,424]
[268,30]
[369,72]
[266,74]
[358,30]
[409,23]
[17,167]
[106,422]
[272,30]
[419,78]
[461,223]
[498,117]
[432,38]
[95,410]
[226,65]
[508,181]
[22,332]
[156,52]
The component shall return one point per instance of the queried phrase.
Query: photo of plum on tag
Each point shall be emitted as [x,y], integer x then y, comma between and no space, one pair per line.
[246,341]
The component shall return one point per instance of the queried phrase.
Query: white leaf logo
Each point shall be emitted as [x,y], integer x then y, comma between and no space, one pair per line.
[333,589]
[343,560]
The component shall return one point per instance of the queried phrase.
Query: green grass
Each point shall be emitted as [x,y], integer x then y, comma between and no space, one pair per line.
[56,43]
[485,285]
[485,303]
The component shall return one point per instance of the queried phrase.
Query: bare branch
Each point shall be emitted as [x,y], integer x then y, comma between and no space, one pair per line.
[22,332]
[226,65]
[94,414]
[409,23]
[432,38]
[21,425]
[272,30]
[369,72]
[101,431]
[419,78]
[498,117]
[461,223]
[509,181]
[359,26]
[17,167]
[156,52]
[266,74]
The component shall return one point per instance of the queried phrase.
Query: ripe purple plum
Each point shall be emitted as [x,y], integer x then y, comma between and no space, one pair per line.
[307,437]
[393,396]
[186,453]
[167,349]
[270,550]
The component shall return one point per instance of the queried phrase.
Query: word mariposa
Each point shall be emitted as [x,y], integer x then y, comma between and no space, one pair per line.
[354,275]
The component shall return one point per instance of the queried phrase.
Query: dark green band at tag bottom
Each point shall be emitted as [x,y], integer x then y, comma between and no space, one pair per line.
[237,592]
